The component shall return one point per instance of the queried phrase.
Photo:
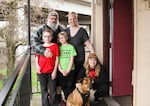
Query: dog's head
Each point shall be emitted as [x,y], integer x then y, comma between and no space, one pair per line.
[86,84]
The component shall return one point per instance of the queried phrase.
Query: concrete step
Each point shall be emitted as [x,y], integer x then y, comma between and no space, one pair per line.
[111,102]
[108,101]
[124,100]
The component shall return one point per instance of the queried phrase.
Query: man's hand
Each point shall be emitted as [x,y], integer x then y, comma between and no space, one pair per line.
[48,53]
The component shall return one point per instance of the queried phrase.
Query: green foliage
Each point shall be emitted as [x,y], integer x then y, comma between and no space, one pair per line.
[35,82]
[3,78]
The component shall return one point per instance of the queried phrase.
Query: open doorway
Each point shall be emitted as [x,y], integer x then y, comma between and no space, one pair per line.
[118,47]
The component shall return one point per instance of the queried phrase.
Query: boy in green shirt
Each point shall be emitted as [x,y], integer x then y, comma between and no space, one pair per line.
[66,66]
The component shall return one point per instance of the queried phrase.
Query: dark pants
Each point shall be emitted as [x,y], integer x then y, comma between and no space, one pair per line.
[101,90]
[66,82]
[79,70]
[47,83]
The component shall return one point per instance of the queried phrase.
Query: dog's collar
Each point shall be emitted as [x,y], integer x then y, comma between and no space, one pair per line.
[84,96]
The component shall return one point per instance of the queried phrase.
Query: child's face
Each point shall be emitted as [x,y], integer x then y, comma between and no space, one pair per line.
[62,39]
[92,62]
[47,37]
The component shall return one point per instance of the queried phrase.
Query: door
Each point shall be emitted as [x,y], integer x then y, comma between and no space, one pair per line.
[122,47]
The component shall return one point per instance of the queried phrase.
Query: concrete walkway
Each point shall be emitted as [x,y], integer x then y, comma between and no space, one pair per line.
[108,101]
[36,100]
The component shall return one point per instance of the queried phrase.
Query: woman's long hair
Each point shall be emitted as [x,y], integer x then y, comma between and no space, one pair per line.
[97,66]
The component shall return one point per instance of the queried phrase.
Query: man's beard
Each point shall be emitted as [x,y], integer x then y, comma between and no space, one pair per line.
[53,26]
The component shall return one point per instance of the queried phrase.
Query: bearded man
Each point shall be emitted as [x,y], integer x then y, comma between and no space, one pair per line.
[53,24]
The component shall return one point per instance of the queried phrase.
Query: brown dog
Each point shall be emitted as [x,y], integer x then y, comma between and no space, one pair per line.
[81,94]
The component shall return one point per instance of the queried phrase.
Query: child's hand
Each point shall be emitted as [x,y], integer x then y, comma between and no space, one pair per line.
[78,84]
[38,69]
[53,75]
[62,71]
[66,73]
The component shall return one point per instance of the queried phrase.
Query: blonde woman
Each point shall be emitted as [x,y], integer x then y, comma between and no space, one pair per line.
[79,38]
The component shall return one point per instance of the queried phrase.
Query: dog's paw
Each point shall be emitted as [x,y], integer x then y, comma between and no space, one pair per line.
[78,84]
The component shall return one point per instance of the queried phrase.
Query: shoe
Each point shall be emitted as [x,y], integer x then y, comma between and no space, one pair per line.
[62,103]
[58,98]
[99,99]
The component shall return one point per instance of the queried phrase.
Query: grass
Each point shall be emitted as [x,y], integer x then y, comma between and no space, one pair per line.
[2,78]
[35,83]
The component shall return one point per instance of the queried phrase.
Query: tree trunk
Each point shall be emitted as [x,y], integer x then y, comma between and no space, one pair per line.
[10,39]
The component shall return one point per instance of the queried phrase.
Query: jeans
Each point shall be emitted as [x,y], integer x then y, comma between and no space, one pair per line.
[47,83]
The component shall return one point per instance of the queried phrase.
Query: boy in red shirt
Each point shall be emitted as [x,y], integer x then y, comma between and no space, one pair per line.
[47,68]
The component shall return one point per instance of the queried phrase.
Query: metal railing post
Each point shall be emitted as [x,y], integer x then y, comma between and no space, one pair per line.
[25,88]
[25,97]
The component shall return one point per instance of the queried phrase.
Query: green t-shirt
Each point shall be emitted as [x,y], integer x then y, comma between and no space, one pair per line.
[66,52]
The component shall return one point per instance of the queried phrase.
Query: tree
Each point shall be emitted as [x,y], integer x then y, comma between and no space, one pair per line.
[17,26]
[10,32]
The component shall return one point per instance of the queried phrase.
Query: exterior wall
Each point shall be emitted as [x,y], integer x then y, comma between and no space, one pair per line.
[141,72]
[97,28]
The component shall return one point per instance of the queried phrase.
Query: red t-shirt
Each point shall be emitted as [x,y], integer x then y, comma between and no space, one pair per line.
[92,73]
[47,64]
